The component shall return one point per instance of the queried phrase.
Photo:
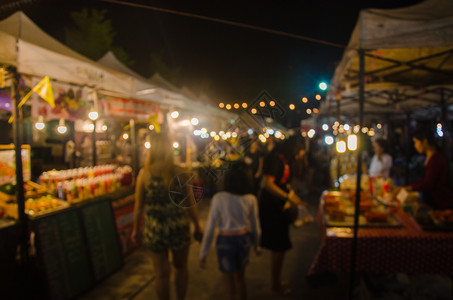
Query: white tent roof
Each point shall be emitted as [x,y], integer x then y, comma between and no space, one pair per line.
[408,59]
[161,90]
[32,51]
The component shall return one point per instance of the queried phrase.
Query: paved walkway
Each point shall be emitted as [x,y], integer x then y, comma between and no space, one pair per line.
[135,279]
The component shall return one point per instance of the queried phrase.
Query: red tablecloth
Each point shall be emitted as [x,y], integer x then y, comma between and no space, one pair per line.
[406,249]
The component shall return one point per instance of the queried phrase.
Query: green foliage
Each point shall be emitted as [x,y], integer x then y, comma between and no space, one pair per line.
[93,35]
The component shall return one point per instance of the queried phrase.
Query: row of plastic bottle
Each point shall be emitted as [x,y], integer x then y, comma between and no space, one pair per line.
[50,179]
[86,188]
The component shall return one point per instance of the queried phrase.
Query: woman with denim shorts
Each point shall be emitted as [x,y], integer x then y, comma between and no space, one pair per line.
[235,210]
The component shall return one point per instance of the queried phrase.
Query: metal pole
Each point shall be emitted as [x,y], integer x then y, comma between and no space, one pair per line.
[408,148]
[93,142]
[20,193]
[134,154]
[338,154]
[444,122]
[359,171]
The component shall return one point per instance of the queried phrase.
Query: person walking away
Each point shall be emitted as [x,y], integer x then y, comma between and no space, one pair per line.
[276,196]
[167,226]
[236,211]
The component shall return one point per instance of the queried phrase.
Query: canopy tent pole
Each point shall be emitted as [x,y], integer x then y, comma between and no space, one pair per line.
[338,154]
[408,147]
[134,147]
[359,171]
[444,122]
[20,193]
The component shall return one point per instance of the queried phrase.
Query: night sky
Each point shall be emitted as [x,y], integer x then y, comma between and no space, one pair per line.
[228,63]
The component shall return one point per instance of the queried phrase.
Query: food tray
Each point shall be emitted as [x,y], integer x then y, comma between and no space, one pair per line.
[427,222]
[348,221]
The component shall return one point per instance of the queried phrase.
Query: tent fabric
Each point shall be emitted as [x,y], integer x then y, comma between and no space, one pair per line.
[33,52]
[408,59]
[159,90]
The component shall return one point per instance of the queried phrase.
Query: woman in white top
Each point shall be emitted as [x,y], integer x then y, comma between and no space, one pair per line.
[381,163]
[235,211]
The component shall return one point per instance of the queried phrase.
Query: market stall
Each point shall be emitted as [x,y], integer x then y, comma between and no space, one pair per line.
[397,61]
[394,241]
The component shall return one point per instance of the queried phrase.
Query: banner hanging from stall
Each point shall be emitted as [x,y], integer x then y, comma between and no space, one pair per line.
[128,108]
[71,102]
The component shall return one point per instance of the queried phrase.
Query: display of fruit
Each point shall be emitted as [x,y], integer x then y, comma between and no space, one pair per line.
[33,206]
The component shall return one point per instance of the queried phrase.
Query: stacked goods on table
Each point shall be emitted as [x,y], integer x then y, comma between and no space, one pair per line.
[37,201]
[440,220]
[339,209]
[75,185]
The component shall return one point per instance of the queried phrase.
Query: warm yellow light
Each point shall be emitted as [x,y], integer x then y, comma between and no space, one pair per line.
[341,146]
[40,125]
[204,130]
[234,134]
[304,99]
[224,137]
[147,145]
[315,110]
[228,106]
[93,115]
[272,103]
[125,136]
[262,104]
[365,129]
[371,132]
[216,137]
[185,123]
[253,111]
[213,134]
[151,127]
[278,134]
[292,107]
[175,114]
[262,138]
[266,135]
[194,121]
[379,125]
[308,111]
[236,106]
[311,133]
[176,145]
[244,105]
[221,105]
[62,129]
[352,142]
[318,97]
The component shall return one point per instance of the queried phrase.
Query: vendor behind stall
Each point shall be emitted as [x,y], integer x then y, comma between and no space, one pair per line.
[435,183]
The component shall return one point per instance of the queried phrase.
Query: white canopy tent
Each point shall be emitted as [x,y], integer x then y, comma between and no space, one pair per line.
[33,52]
[408,61]
[157,89]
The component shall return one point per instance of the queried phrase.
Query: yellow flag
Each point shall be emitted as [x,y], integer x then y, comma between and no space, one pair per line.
[153,120]
[44,90]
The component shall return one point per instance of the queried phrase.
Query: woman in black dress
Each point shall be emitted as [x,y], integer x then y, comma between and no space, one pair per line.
[275,197]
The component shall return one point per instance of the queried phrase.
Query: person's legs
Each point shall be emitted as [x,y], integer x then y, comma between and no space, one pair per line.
[239,279]
[230,285]
[181,271]
[276,269]
[162,269]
